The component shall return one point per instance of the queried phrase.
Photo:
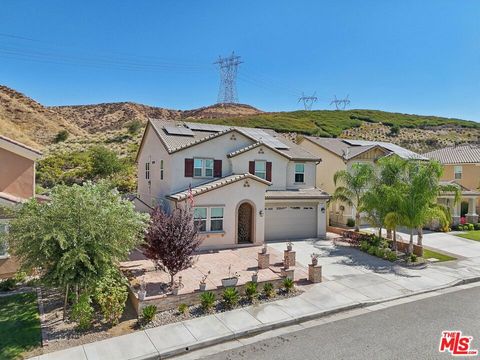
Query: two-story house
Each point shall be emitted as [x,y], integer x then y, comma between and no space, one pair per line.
[461,165]
[340,154]
[17,183]
[246,185]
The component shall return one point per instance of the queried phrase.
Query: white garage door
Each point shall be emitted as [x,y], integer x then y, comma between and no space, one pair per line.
[290,221]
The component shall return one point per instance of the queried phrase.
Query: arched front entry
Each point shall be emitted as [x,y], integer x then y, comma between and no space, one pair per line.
[245,222]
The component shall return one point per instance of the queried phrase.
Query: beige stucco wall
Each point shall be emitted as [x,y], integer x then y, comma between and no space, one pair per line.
[17,174]
[231,197]
[470,175]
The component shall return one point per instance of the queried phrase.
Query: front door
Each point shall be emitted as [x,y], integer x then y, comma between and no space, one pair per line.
[245,223]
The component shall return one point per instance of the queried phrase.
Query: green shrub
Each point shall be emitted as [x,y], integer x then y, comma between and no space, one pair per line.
[269,290]
[207,300]
[454,227]
[413,258]
[111,294]
[288,285]
[391,256]
[134,127]
[20,277]
[470,227]
[8,285]
[364,245]
[379,252]
[372,250]
[394,130]
[183,309]
[61,136]
[148,313]
[230,297]
[251,291]
[82,312]
[476,226]
[460,227]
[350,222]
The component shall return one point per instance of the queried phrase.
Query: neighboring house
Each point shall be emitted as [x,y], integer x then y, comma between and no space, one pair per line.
[17,184]
[247,185]
[340,154]
[462,166]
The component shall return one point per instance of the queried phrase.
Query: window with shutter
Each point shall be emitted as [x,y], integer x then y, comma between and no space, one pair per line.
[269,171]
[217,168]
[188,167]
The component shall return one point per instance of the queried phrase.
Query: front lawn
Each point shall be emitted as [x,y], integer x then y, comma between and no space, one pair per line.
[428,254]
[19,325]
[471,235]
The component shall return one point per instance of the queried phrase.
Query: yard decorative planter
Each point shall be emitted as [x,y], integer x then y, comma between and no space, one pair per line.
[255,277]
[141,295]
[203,282]
[314,258]
[264,249]
[289,246]
[231,281]
[203,286]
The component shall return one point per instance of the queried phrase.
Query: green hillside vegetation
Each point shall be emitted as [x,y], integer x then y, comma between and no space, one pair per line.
[331,123]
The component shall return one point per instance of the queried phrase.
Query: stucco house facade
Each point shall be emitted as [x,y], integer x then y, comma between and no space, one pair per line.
[246,185]
[461,165]
[340,154]
[17,184]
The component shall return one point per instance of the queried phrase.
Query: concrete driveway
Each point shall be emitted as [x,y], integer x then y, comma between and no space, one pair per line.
[353,274]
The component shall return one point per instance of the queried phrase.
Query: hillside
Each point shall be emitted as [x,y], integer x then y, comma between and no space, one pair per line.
[24,119]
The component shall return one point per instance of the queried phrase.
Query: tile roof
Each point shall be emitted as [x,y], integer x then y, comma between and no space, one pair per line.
[313,193]
[348,149]
[176,142]
[456,154]
[215,184]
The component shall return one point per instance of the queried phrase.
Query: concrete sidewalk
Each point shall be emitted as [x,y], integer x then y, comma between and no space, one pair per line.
[353,279]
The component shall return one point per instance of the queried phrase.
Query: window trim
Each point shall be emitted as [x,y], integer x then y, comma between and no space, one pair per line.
[208,220]
[203,169]
[264,171]
[455,172]
[147,170]
[161,170]
[299,173]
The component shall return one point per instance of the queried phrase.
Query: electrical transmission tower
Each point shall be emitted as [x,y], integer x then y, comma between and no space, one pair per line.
[308,101]
[340,104]
[228,66]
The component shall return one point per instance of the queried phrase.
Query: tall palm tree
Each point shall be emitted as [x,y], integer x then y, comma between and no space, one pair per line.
[354,185]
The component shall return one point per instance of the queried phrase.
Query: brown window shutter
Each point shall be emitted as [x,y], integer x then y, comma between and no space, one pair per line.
[217,168]
[188,167]
[251,167]
[269,171]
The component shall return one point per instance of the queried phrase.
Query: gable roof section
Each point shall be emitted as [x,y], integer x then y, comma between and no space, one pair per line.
[215,184]
[287,154]
[466,154]
[177,142]
[19,148]
[348,149]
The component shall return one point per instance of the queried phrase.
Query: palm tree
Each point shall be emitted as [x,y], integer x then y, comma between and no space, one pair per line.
[354,184]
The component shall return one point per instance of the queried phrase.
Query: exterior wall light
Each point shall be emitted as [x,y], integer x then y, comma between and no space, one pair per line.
[260,213]
[322,210]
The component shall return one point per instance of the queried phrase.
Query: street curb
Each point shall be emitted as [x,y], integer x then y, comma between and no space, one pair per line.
[302,319]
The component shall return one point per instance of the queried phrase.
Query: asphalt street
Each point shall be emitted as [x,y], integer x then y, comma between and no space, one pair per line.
[407,331]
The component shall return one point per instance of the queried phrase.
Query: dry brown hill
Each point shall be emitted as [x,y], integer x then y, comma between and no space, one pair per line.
[112,116]
[23,119]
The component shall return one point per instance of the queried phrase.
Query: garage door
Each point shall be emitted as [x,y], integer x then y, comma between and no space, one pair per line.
[290,221]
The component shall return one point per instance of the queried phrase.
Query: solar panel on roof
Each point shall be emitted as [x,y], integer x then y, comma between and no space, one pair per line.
[206,127]
[178,130]
[262,136]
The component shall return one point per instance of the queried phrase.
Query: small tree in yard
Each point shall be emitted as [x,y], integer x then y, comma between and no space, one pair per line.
[76,237]
[171,240]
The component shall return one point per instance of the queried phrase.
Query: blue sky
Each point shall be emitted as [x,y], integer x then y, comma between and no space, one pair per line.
[407,56]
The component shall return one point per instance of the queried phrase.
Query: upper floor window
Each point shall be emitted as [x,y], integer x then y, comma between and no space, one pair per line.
[261,169]
[147,170]
[161,169]
[458,172]
[203,167]
[299,173]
